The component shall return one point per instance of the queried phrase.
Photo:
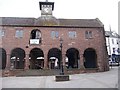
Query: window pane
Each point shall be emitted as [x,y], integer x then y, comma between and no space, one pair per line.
[113,50]
[38,35]
[75,35]
[116,41]
[53,34]
[2,33]
[69,34]
[72,34]
[57,34]
[19,33]
[112,41]
[88,34]
[118,50]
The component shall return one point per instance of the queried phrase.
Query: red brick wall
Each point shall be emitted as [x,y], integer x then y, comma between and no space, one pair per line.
[10,42]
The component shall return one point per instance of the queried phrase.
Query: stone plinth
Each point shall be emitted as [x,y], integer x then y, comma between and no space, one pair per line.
[62,78]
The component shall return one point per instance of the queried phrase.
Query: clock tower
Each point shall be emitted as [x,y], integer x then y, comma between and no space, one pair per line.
[46,7]
[46,19]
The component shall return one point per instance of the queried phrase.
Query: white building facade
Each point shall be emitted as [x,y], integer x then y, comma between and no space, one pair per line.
[113,45]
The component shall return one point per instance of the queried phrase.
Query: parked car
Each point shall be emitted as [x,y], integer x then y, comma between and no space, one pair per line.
[113,62]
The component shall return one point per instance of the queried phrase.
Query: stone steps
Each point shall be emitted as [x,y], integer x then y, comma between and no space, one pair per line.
[38,73]
[45,72]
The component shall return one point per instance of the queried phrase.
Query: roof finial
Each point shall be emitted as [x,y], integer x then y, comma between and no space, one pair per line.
[46,0]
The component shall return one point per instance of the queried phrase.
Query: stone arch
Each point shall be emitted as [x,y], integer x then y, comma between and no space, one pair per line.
[54,58]
[90,58]
[35,36]
[72,58]
[17,58]
[36,58]
[2,58]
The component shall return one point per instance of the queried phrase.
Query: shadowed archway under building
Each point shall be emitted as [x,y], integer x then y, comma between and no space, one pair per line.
[90,58]
[2,58]
[36,59]
[54,58]
[17,58]
[73,57]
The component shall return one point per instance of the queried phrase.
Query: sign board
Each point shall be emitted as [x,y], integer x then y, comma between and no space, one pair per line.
[34,41]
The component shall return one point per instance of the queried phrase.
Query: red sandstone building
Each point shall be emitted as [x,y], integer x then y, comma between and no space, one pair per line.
[30,43]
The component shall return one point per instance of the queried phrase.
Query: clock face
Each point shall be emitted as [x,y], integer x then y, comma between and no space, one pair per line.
[46,10]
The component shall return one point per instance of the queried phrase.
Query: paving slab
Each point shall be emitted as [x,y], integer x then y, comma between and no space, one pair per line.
[107,79]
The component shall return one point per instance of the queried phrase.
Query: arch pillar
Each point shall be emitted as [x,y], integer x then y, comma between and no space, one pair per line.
[63,60]
[73,55]
[45,61]
[81,61]
[27,62]
[8,64]
[54,52]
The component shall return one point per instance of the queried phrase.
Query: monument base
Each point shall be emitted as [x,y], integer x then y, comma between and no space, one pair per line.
[62,78]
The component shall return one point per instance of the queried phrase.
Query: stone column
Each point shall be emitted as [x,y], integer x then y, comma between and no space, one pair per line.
[79,63]
[63,59]
[27,62]
[45,61]
[8,62]
[82,62]
[64,62]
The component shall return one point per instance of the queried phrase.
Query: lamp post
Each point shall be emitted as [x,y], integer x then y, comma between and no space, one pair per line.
[61,63]
[62,77]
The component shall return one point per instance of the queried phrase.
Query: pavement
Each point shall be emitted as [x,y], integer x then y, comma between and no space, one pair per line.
[107,79]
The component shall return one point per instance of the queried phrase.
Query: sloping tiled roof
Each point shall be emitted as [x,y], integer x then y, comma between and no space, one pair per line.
[60,22]
[17,21]
[111,34]
[80,22]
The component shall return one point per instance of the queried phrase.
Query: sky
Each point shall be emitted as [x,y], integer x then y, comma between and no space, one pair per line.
[105,10]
